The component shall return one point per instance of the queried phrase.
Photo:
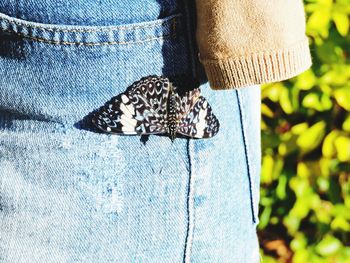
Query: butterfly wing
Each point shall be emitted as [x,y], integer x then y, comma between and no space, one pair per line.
[199,122]
[141,109]
[186,102]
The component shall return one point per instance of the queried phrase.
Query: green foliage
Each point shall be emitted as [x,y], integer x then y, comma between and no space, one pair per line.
[305,179]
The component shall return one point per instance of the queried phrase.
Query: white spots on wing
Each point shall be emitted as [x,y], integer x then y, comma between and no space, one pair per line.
[131,108]
[128,124]
[108,129]
[128,110]
[125,99]
[205,104]
[129,132]
[201,125]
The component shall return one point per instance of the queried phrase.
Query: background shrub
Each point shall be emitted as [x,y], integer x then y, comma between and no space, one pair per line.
[305,179]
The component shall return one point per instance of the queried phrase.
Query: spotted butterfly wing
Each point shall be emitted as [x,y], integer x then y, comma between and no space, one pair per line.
[141,109]
[186,102]
[199,121]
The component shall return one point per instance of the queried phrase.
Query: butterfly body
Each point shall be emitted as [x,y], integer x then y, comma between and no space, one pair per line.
[172,122]
[152,105]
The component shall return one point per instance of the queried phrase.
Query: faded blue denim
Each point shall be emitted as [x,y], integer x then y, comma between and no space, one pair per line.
[70,194]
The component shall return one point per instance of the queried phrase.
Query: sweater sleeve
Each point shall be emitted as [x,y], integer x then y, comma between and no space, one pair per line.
[246,42]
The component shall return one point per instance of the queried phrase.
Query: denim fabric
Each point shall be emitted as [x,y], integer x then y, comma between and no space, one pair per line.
[71,194]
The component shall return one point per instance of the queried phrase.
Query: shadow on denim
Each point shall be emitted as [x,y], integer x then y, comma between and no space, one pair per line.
[11,46]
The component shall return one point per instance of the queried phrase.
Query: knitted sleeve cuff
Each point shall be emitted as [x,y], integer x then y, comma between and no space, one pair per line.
[258,68]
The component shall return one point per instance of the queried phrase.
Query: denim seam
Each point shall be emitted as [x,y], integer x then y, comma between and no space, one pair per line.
[246,152]
[163,28]
[171,19]
[42,40]
[190,209]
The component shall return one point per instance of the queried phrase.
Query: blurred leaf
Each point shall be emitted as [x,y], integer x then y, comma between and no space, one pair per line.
[285,100]
[271,168]
[266,111]
[312,137]
[319,21]
[317,101]
[337,76]
[343,97]
[267,168]
[328,148]
[288,145]
[301,256]
[281,187]
[299,242]
[328,246]
[299,128]
[341,21]
[292,223]
[346,124]
[264,218]
[340,223]
[342,144]
[306,80]
[272,91]
[323,183]
[305,193]
[303,170]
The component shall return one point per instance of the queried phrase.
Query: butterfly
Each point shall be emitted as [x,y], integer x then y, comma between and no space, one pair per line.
[152,105]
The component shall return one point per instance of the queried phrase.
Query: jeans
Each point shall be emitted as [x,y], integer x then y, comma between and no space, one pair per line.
[70,194]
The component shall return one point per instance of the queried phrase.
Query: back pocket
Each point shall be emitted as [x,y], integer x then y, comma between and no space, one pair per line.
[67,71]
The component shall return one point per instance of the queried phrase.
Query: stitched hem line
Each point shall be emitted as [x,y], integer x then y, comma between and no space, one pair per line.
[58,28]
[92,43]
[246,153]
[165,28]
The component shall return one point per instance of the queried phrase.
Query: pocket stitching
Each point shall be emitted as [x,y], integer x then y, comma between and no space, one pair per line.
[163,28]
[43,40]
[87,29]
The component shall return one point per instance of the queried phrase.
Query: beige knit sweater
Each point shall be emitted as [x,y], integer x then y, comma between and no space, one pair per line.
[245,42]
